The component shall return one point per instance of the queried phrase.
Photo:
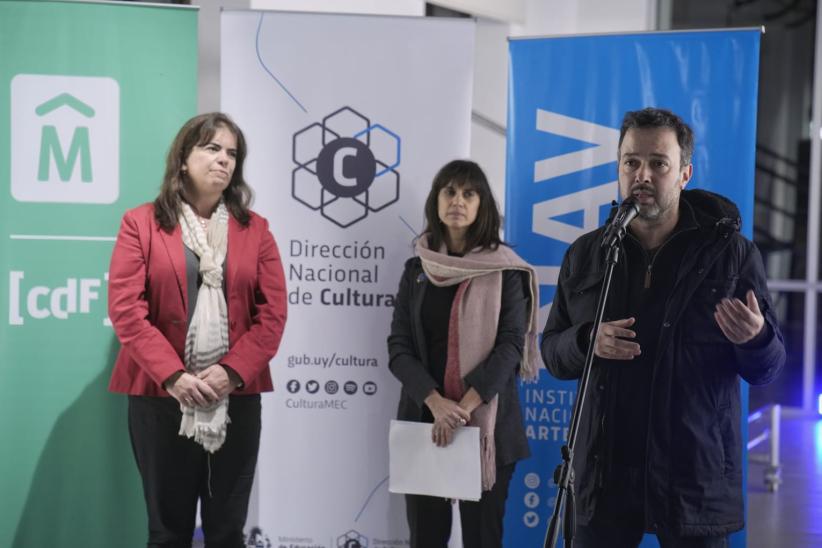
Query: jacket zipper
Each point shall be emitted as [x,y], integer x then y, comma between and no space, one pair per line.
[648,271]
[651,262]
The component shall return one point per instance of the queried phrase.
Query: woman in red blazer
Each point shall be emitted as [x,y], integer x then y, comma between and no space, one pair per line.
[197,298]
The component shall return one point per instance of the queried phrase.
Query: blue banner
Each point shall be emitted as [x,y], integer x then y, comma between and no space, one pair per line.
[567,97]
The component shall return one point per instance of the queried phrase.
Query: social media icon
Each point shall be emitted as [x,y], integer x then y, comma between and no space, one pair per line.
[532,480]
[293,386]
[312,387]
[369,388]
[531,519]
[332,387]
[350,388]
[531,499]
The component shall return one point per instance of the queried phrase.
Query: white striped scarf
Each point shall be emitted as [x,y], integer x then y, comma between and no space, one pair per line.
[207,337]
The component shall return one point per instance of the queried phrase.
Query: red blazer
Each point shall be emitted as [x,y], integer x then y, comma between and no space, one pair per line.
[148,303]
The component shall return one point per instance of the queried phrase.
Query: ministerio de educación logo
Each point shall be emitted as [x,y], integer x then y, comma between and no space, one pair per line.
[65,139]
[346,167]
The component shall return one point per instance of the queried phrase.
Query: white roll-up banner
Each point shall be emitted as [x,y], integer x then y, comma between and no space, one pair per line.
[348,118]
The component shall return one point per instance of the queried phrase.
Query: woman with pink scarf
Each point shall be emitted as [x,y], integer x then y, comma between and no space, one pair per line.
[464,328]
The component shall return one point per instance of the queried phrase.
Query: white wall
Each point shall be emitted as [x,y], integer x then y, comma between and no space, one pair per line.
[375,7]
[511,11]
[546,17]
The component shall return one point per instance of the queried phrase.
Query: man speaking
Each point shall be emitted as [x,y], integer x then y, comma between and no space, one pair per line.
[659,447]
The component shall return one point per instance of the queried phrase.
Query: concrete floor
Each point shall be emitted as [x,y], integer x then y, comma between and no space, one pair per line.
[791,517]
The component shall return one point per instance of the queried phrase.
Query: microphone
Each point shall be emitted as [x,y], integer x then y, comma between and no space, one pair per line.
[615,231]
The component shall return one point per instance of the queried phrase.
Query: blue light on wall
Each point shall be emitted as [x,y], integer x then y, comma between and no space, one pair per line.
[818,444]
[819,404]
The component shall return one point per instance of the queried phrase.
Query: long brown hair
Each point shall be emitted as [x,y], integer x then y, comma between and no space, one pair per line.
[484,231]
[197,132]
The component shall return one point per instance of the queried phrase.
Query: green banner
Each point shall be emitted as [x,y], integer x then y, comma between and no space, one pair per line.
[91,95]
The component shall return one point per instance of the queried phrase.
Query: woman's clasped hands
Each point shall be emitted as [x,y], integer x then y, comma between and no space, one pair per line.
[448,416]
[204,389]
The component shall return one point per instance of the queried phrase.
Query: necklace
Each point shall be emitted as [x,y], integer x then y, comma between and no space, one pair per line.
[203,222]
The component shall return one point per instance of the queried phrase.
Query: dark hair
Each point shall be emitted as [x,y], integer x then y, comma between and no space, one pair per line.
[484,232]
[661,118]
[197,132]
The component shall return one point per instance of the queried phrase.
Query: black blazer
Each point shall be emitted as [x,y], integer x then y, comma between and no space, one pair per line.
[495,376]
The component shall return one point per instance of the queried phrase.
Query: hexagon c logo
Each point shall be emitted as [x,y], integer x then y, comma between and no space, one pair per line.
[346,167]
[352,539]
[346,159]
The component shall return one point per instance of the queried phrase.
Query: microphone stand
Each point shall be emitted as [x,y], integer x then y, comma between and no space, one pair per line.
[564,473]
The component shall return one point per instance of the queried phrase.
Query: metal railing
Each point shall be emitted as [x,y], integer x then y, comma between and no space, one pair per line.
[773,468]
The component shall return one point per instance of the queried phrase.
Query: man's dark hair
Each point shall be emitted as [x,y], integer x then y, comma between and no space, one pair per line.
[650,118]
[484,231]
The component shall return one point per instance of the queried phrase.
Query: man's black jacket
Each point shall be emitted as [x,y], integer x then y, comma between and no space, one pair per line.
[693,459]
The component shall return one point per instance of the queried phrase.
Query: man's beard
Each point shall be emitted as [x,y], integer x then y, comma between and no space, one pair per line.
[650,212]
[654,210]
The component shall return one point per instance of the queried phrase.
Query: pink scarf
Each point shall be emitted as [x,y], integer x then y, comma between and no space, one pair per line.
[472,327]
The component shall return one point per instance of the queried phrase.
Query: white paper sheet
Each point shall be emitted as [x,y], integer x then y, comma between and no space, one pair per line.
[418,467]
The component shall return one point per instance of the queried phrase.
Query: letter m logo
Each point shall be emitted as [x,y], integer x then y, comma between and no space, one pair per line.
[65,139]
[50,142]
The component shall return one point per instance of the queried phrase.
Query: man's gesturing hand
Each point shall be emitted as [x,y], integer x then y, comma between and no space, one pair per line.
[612,343]
[739,322]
